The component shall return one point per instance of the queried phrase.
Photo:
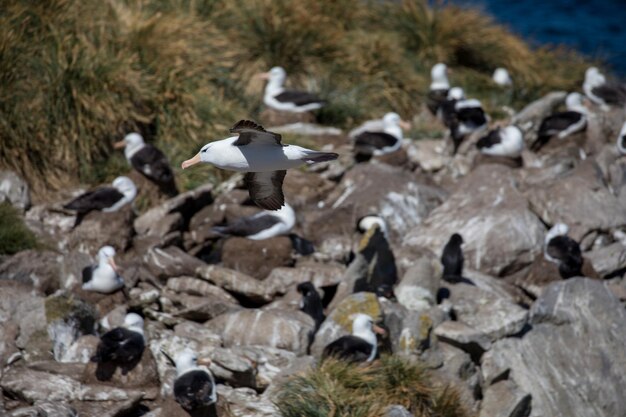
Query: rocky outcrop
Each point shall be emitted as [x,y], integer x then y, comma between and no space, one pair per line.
[269,254]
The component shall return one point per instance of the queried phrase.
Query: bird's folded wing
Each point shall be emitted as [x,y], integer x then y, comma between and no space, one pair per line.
[266,188]
[251,132]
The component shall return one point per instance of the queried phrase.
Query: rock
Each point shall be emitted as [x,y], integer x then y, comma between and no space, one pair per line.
[417,290]
[99,229]
[464,337]
[144,374]
[608,260]
[339,322]
[245,402]
[494,316]
[198,333]
[195,286]
[199,309]
[502,235]
[45,409]
[306,188]
[38,269]
[256,258]
[392,192]
[14,190]
[81,350]
[577,324]
[321,275]
[595,208]
[68,318]
[171,262]
[504,399]
[397,411]
[288,330]
[235,282]
[428,154]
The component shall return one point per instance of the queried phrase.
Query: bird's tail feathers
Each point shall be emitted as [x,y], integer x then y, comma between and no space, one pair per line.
[314,157]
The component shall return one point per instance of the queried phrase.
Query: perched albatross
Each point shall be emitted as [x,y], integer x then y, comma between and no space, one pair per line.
[105,199]
[262,225]
[122,346]
[468,117]
[278,98]
[368,143]
[149,161]
[103,277]
[194,386]
[562,124]
[452,259]
[602,92]
[360,346]
[439,87]
[507,141]
[262,156]
[621,140]
[564,251]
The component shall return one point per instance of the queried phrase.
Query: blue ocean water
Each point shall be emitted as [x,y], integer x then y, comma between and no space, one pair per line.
[595,28]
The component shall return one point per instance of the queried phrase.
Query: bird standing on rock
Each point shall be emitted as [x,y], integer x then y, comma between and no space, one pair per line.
[261,155]
[262,225]
[279,98]
[439,86]
[360,346]
[452,259]
[562,124]
[507,141]
[194,386]
[564,251]
[374,142]
[104,276]
[149,161]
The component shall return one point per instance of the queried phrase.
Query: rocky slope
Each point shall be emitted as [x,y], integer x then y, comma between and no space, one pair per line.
[512,335]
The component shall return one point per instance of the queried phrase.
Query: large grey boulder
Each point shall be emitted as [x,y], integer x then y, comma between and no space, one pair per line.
[501,233]
[573,361]
[14,190]
[505,399]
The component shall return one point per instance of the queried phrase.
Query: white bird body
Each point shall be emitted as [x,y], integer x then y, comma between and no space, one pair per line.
[300,101]
[125,186]
[511,143]
[362,327]
[439,77]
[287,221]
[502,77]
[104,277]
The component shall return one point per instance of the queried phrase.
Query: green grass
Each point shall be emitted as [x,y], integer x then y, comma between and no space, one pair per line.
[76,75]
[14,235]
[341,389]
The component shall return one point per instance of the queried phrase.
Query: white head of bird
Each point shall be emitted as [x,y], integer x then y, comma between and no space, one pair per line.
[439,77]
[125,186]
[131,143]
[593,77]
[106,256]
[134,322]
[367,222]
[275,80]
[502,77]
[574,102]
[393,124]
[363,326]
[559,229]
[186,360]
[456,93]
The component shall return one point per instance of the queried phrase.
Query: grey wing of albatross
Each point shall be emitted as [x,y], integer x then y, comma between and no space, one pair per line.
[266,188]
[251,132]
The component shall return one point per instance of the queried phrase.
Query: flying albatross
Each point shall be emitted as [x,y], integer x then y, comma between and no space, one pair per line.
[372,141]
[262,225]
[601,91]
[360,346]
[279,98]
[104,276]
[149,161]
[105,199]
[261,155]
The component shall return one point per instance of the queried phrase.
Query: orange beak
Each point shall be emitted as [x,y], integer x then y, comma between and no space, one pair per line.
[205,362]
[113,264]
[379,330]
[119,145]
[190,162]
[405,125]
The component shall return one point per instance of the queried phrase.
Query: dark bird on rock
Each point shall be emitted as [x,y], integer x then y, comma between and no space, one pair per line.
[279,98]
[562,124]
[374,248]
[311,303]
[439,87]
[105,199]
[468,117]
[262,225]
[122,346]
[564,251]
[360,346]
[262,156]
[452,259]
[150,162]
[369,141]
[194,386]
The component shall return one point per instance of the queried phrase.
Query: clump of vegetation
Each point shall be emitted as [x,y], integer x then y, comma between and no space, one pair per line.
[341,389]
[14,235]
[75,75]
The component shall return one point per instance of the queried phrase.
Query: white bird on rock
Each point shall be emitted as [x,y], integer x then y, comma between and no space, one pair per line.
[602,92]
[262,225]
[104,276]
[261,155]
[194,386]
[279,98]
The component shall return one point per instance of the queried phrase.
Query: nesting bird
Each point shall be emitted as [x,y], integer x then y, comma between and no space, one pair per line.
[360,346]
[194,386]
[439,86]
[105,199]
[502,77]
[262,225]
[563,251]
[452,259]
[261,155]
[621,140]
[149,161]
[507,142]
[121,346]
[279,98]
[375,251]
[601,91]
[562,124]
[463,117]
[369,141]
[103,277]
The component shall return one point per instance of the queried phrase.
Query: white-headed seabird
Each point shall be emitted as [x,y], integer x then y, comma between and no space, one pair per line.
[278,98]
[104,276]
[121,346]
[365,223]
[194,386]
[105,199]
[447,112]
[621,140]
[564,251]
[360,346]
[262,225]
[149,161]
[601,91]
[368,143]
[467,118]
[507,141]
[452,259]
[562,124]
[502,77]
[439,86]
[262,156]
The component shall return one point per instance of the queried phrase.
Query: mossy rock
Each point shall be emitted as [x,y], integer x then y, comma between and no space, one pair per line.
[14,235]
[64,307]
[362,302]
